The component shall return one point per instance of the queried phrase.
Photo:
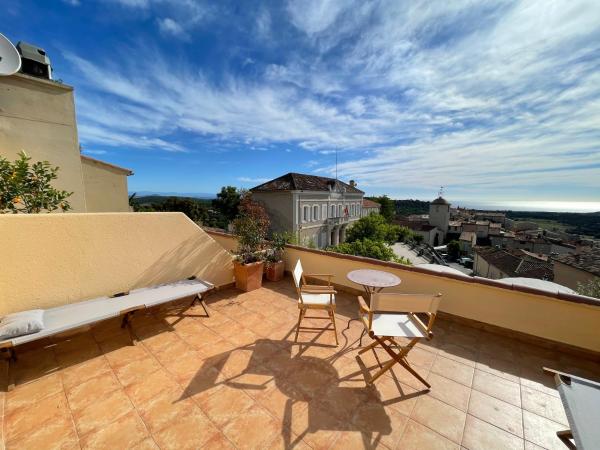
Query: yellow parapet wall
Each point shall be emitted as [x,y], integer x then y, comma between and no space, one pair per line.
[49,260]
[573,320]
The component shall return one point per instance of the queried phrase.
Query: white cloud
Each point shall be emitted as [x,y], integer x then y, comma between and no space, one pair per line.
[253,180]
[478,96]
[171,27]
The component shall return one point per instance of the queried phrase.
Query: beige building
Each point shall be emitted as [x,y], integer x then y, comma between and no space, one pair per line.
[317,210]
[370,207]
[38,116]
[570,270]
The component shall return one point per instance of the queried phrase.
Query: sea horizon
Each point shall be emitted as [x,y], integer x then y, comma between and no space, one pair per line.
[533,205]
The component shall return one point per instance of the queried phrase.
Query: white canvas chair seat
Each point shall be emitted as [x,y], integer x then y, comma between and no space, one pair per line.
[318,299]
[75,315]
[392,316]
[395,325]
[312,296]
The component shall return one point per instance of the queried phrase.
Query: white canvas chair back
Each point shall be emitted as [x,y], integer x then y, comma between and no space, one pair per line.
[405,303]
[297,274]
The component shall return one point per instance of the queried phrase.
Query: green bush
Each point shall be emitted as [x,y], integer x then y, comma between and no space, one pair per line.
[373,227]
[590,288]
[27,188]
[370,249]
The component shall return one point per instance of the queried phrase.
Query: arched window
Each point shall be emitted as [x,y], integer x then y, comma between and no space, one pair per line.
[315,215]
[306,214]
[324,212]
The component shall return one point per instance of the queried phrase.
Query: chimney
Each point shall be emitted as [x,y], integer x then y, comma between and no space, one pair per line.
[352,183]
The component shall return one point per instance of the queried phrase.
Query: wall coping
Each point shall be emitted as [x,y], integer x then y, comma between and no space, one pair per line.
[573,298]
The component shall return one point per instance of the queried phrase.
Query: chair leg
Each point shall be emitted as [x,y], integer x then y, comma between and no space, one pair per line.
[368,347]
[387,366]
[566,436]
[332,315]
[204,307]
[300,315]
[415,374]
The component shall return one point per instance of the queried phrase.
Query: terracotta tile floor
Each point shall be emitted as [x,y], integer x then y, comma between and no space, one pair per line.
[236,380]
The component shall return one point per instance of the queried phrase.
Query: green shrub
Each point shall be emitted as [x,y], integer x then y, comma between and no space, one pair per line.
[27,188]
[370,249]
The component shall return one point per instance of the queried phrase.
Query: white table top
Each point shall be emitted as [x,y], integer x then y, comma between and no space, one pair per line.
[373,278]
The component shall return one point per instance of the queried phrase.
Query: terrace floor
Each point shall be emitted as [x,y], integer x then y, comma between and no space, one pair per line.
[237,380]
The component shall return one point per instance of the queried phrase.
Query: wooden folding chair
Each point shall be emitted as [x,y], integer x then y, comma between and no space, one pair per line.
[392,316]
[314,296]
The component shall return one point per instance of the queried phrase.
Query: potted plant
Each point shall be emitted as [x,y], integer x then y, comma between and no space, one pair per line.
[274,256]
[251,227]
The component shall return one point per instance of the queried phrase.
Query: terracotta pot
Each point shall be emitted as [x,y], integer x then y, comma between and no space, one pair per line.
[274,270]
[248,277]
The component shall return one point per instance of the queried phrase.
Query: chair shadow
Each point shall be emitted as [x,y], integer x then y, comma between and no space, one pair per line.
[304,377]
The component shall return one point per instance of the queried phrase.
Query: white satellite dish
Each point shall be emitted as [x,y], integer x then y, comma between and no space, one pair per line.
[10,60]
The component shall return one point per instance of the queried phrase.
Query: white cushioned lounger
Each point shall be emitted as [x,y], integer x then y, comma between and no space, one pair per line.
[75,315]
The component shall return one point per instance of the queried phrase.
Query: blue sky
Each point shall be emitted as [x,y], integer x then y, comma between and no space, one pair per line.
[494,100]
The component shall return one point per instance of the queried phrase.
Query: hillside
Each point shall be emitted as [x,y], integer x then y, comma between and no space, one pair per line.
[587,224]
[407,207]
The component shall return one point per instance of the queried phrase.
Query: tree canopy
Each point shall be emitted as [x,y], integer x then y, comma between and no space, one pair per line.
[388,206]
[227,202]
[370,249]
[373,227]
[27,188]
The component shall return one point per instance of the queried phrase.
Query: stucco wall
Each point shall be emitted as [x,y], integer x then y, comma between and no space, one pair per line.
[53,259]
[544,316]
[105,187]
[38,116]
[570,276]
[279,206]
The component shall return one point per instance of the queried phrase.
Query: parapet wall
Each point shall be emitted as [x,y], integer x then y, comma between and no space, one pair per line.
[568,319]
[48,260]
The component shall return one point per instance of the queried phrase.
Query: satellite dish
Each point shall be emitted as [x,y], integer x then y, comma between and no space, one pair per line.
[10,60]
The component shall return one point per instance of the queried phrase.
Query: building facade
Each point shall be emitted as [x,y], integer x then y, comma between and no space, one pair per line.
[38,116]
[581,268]
[369,207]
[317,210]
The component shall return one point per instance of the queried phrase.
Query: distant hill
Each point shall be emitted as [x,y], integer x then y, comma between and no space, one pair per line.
[161,199]
[175,194]
[586,224]
[407,207]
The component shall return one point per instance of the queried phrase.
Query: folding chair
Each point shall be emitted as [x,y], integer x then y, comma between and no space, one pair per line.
[314,296]
[392,316]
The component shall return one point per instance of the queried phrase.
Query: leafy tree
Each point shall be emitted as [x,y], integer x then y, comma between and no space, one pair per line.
[251,227]
[373,227]
[388,206]
[370,249]
[27,188]
[404,234]
[591,288]
[227,202]
[454,249]
[193,209]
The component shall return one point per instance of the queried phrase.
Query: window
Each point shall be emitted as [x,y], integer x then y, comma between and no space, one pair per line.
[332,211]
[315,214]
[324,212]
[352,209]
[340,211]
[306,214]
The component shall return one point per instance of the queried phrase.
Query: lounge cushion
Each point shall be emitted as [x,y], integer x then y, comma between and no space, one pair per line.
[21,323]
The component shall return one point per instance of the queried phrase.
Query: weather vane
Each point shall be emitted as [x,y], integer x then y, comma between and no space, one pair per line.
[441,191]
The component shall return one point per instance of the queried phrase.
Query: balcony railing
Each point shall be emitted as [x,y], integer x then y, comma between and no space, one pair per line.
[338,220]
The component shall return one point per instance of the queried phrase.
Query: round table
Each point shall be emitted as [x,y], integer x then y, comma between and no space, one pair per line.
[373,281]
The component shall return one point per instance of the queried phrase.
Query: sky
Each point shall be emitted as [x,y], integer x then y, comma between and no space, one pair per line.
[496,101]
